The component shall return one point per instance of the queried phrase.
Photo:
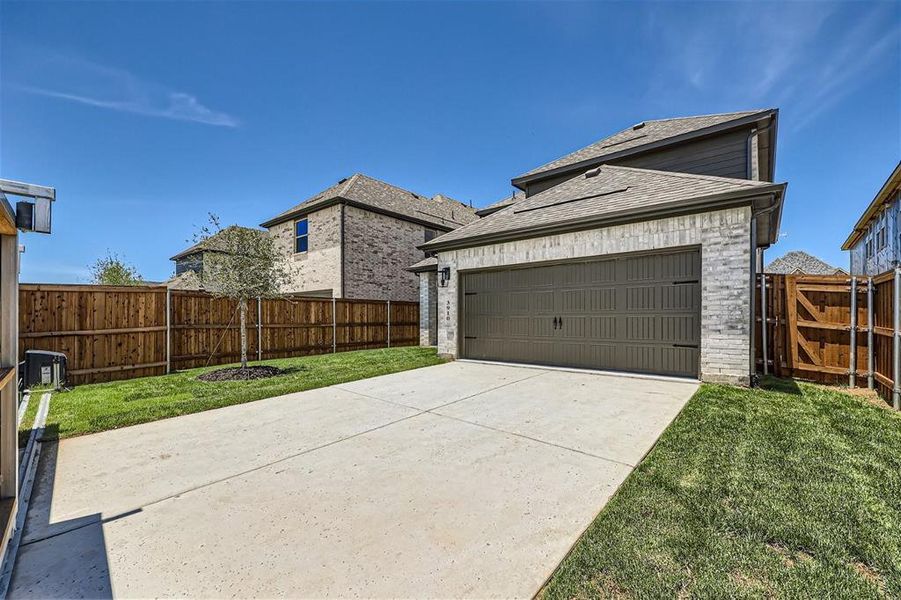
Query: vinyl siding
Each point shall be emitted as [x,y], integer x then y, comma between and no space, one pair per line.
[725,155]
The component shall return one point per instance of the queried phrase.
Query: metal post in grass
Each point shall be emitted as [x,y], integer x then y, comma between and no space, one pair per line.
[334,327]
[870,382]
[763,331]
[852,360]
[168,330]
[259,328]
[389,323]
[896,338]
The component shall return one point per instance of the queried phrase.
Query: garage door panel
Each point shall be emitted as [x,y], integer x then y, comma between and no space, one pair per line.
[642,298]
[601,328]
[679,329]
[543,302]
[601,299]
[679,297]
[635,313]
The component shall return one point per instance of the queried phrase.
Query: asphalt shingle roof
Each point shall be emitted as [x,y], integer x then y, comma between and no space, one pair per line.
[606,191]
[210,243]
[640,134]
[440,210]
[800,262]
[503,202]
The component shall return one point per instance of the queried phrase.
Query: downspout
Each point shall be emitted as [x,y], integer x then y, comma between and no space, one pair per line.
[342,290]
[755,254]
[753,333]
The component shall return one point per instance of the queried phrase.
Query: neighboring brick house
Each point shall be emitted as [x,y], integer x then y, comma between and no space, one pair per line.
[875,242]
[357,238]
[189,262]
[797,262]
[637,253]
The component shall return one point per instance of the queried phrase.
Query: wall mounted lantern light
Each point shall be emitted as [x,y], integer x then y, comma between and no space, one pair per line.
[444,276]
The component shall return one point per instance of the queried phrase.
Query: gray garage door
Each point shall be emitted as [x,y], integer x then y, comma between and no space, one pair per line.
[636,312]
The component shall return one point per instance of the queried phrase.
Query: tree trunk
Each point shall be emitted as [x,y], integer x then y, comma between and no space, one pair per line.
[242,307]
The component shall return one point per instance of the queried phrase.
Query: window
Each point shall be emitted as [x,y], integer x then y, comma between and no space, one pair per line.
[430,234]
[869,248]
[881,238]
[301,237]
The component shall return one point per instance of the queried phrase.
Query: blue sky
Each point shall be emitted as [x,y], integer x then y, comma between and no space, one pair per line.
[146,116]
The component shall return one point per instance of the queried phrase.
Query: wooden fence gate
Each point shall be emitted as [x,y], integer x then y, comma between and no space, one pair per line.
[122,332]
[831,329]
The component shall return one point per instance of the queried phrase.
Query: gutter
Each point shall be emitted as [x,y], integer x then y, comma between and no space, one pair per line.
[522,180]
[677,208]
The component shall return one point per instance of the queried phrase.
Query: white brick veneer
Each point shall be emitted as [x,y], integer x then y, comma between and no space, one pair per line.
[725,240]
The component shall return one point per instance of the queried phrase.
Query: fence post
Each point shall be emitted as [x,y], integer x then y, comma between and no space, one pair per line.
[259,328]
[389,323]
[870,332]
[334,327]
[896,345]
[763,332]
[852,366]
[168,330]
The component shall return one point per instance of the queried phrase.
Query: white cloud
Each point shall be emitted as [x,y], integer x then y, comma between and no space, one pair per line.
[803,57]
[86,82]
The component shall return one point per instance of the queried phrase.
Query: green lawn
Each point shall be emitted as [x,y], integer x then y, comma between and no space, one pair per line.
[791,491]
[102,406]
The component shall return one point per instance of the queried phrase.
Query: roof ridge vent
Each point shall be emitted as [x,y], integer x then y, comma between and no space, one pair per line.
[638,126]
[342,181]
[593,173]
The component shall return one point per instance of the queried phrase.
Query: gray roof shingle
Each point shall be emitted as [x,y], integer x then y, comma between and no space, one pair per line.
[502,203]
[604,192]
[798,262]
[211,242]
[439,210]
[640,134]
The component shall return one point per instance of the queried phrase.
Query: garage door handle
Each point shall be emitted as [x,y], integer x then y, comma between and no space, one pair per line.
[685,345]
[561,322]
[555,322]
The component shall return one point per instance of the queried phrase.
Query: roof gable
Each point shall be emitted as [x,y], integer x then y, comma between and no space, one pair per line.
[371,193]
[210,243]
[604,193]
[641,135]
[798,262]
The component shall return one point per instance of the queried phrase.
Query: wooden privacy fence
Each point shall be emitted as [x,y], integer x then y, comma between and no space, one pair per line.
[831,329]
[111,333]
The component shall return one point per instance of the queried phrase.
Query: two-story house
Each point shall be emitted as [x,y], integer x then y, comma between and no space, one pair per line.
[875,241]
[636,253]
[189,263]
[357,238]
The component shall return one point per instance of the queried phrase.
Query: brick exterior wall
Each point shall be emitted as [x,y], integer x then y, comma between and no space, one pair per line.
[725,240]
[320,267]
[377,251]
[428,319]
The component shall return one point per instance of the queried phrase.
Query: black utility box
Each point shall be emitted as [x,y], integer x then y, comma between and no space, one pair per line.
[43,367]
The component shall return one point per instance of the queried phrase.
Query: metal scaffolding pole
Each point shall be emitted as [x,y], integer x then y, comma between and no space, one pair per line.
[763,324]
[870,382]
[896,346]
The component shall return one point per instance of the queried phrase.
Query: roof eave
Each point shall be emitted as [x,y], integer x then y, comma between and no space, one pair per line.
[522,180]
[893,181]
[301,212]
[695,205]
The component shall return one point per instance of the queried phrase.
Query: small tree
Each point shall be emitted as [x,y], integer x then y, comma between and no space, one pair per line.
[113,270]
[241,264]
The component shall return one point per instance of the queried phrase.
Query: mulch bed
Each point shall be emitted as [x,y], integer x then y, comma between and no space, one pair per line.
[239,374]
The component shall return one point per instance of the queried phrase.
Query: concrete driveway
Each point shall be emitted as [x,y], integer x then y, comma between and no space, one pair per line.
[462,479]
